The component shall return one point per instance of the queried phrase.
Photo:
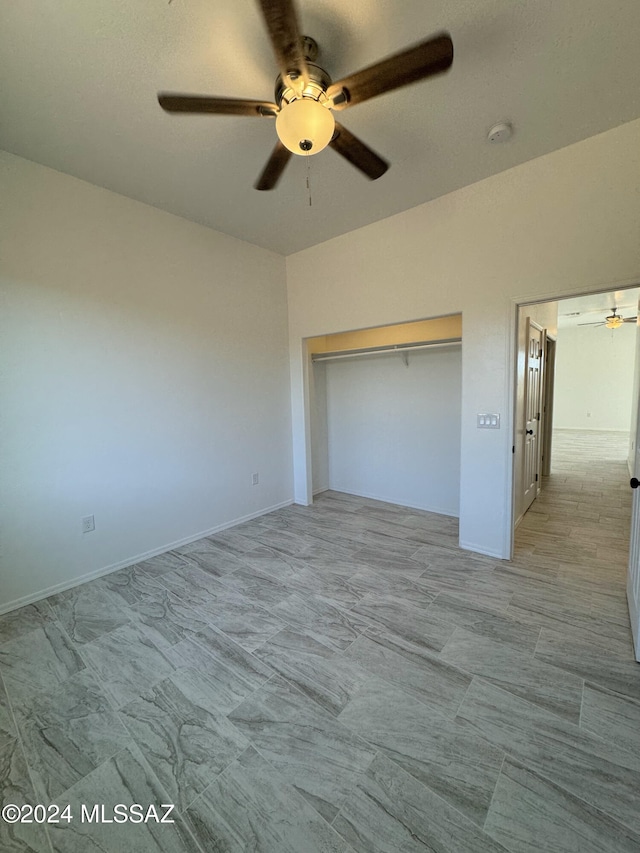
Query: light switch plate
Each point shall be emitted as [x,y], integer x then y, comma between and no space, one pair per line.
[488,421]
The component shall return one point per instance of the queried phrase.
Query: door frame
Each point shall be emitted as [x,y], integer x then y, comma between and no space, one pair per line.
[548,390]
[516,303]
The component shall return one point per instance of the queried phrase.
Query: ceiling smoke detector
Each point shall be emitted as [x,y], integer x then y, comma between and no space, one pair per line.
[500,132]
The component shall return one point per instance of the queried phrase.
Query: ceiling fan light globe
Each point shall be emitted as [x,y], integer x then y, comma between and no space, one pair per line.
[305,126]
[614,322]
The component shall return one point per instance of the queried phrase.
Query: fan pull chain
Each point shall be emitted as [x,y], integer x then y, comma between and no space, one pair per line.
[308,182]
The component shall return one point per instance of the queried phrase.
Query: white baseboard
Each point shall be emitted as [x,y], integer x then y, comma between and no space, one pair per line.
[132,561]
[388,500]
[470,546]
[589,429]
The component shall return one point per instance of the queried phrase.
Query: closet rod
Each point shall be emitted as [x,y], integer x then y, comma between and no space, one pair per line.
[331,356]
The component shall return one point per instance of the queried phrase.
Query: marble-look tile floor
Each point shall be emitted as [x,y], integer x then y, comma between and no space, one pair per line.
[343,678]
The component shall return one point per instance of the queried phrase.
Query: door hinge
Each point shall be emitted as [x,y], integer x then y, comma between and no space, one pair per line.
[536,478]
[538,416]
[513,449]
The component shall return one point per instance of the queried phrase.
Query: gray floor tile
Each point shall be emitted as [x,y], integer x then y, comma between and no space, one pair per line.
[505,629]
[162,563]
[517,672]
[393,564]
[42,658]
[298,544]
[319,756]
[389,545]
[250,807]
[313,667]
[205,554]
[529,814]
[124,779]
[7,727]
[413,669]
[435,559]
[87,611]
[464,608]
[386,612]
[233,541]
[16,788]
[332,588]
[611,717]
[18,622]
[457,764]
[335,627]
[575,623]
[302,576]
[166,619]
[129,586]
[127,662]
[258,585]
[377,621]
[192,584]
[367,582]
[600,773]
[591,662]
[67,732]
[389,811]
[274,563]
[186,744]
[229,670]
[241,618]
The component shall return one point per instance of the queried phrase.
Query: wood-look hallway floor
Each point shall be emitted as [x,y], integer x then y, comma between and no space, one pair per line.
[343,678]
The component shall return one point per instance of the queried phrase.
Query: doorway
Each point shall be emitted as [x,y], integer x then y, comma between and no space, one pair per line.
[385,413]
[579,509]
[573,373]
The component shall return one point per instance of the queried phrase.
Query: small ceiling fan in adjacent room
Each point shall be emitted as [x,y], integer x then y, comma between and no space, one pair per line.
[612,321]
[305,94]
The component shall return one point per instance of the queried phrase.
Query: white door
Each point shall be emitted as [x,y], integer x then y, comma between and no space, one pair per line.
[532,409]
[633,574]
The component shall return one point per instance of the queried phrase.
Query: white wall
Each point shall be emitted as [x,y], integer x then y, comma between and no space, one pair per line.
[594,377]
[145,378]
[635,403]
[394,430]
[319,427]
[563,224]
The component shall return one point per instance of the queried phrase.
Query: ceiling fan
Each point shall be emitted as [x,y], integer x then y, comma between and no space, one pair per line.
[612,321]
[305,94]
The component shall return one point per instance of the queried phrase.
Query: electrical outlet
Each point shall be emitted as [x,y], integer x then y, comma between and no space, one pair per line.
[255,479]
[88,524]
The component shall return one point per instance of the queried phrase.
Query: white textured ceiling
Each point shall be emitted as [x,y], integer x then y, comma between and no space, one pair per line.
[78,84]
[595,307]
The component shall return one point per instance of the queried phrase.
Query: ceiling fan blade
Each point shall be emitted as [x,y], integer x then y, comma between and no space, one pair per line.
[174,103]
[282,24]
[357,153]
[275,167]
[425,59]
[630,319]
[590,324]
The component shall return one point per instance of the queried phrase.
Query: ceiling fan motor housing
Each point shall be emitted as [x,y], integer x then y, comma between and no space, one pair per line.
[316,88]
[297,134]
